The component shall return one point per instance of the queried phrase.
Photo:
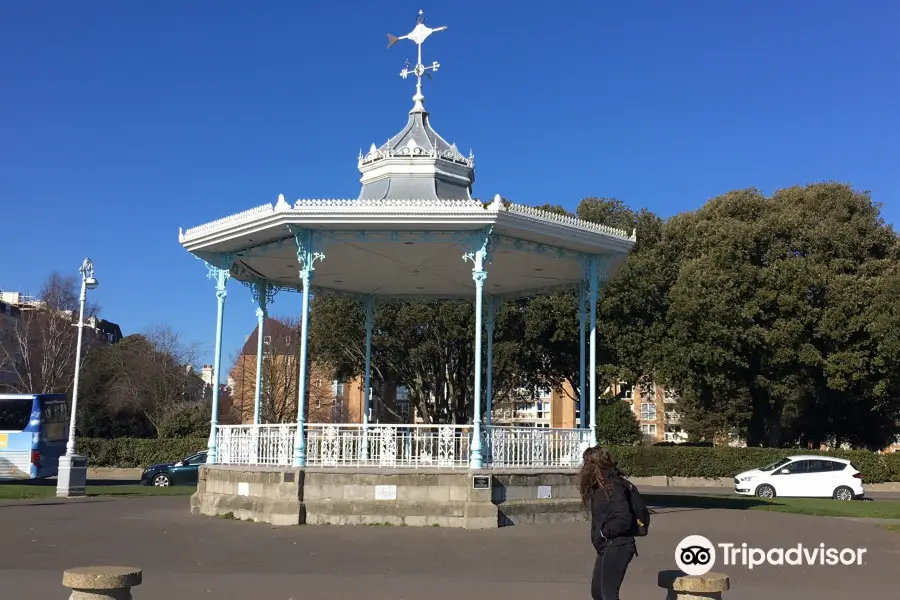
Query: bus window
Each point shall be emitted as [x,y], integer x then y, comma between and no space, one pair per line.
[53,420]
[15,414]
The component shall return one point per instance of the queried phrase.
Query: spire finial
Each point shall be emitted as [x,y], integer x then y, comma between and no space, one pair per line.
[418,35]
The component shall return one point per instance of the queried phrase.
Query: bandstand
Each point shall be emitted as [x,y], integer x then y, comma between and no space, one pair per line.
[414,232]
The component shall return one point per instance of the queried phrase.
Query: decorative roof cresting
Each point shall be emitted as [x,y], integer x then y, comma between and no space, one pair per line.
[546,215]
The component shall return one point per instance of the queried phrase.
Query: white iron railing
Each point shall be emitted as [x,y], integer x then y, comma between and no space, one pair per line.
[400,446]
[423,446]
[536,447]
[255,444]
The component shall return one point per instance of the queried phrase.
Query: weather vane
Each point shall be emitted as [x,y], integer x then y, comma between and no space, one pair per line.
[419,34]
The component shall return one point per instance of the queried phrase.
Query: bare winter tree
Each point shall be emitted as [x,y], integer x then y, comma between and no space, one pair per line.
[280,374]
[40,350]
[151,374]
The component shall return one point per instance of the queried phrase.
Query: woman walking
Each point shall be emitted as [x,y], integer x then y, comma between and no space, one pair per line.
[612,523]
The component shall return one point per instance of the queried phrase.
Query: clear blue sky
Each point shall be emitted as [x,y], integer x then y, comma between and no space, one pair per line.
[122,121]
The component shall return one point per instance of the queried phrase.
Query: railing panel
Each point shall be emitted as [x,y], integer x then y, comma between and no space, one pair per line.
[536,447]
[388,446]
[400,446]
[255,445]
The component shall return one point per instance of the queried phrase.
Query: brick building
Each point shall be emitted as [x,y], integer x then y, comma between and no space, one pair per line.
[330,400]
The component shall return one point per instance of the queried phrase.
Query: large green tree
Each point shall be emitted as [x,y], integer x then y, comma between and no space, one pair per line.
[769,316]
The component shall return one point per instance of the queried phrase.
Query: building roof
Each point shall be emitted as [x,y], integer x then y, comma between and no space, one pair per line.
[413,231]
[277,332]
[416,163]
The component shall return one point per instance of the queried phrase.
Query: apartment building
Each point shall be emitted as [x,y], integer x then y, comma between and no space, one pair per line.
[546,408]
[655,408]
[15,307]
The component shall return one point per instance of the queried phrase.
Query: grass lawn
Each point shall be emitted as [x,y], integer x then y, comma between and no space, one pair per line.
[825,507]
[38,490]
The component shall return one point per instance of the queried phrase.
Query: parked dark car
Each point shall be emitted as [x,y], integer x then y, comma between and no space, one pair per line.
[183,472]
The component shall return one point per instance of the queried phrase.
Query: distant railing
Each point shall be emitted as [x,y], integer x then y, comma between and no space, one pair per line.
[400,446]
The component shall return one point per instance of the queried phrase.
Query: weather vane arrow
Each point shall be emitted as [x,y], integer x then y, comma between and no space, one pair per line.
[418,35]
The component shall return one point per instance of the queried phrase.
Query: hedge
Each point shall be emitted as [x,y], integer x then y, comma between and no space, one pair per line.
[635,461]
[728,462]
[130,453]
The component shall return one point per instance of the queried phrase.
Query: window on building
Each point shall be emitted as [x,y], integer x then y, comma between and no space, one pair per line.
[339,389]
[648,411]
[648,429]
[267,339]
[626,390]
[402,403]
[337,410]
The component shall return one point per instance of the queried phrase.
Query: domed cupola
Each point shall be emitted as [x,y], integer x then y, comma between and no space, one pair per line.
[417,163]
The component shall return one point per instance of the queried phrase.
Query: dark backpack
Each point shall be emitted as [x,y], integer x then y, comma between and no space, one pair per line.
[638,509]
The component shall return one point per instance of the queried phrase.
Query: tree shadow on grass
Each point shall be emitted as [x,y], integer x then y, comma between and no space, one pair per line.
[699,502]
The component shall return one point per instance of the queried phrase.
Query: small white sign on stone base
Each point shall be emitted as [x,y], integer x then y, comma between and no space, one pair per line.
[545,492]
[385,492]
[243,489]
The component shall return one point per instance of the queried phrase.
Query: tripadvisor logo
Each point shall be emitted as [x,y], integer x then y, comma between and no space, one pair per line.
[696,555]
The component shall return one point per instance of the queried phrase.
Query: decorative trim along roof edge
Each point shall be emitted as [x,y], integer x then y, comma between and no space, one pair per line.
[545,215]
[529,212]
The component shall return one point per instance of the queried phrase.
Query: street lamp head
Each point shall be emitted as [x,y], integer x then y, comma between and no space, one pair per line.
[87,274]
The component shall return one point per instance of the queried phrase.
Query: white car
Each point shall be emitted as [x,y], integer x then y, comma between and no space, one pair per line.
[806,476]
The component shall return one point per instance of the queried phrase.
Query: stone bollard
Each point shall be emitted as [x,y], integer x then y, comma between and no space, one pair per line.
[101,583]
[693,587]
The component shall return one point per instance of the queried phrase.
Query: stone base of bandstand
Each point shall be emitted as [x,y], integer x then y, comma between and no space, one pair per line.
[377,496]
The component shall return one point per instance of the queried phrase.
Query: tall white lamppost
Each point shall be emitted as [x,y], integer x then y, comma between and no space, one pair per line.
[72,477]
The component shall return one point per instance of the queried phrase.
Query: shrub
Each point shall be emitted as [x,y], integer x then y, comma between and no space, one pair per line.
[727,462]
[129,453]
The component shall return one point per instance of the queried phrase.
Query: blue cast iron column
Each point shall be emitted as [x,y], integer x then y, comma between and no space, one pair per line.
[260,292]
[367,382]
[592,298]
[221,275]
[582,393]
[307,258]
[478,256]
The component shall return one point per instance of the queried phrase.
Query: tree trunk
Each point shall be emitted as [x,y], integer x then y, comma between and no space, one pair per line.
[773,424]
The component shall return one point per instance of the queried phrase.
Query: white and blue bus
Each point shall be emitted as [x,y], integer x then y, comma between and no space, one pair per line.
[34,429]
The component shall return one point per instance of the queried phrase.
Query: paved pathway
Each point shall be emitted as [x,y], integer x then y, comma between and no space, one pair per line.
[186,557]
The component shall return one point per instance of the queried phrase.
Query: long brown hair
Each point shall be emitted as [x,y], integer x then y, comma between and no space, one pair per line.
[597,462]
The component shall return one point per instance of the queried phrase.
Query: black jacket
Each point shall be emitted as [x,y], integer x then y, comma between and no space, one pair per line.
[612,521]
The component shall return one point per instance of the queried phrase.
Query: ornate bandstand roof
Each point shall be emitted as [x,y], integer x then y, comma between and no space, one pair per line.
[406,233]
